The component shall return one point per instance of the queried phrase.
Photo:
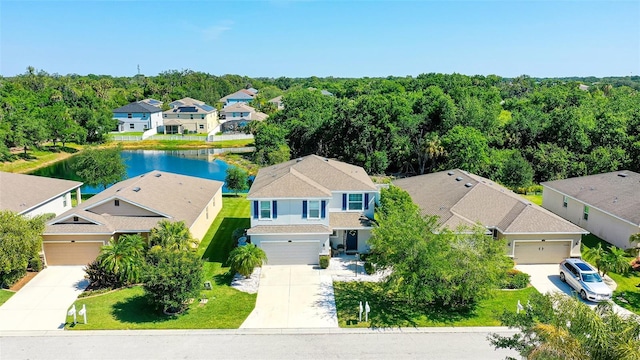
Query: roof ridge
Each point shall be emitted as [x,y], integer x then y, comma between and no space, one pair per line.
[307,179]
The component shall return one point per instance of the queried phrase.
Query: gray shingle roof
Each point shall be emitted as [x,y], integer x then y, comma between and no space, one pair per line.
[137,107]
[240,95]
[349,220]
[617,195]
[21,193]
[309,177]
[483,201]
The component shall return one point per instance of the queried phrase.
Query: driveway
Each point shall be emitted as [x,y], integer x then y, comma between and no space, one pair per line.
[293,296]
[42,304]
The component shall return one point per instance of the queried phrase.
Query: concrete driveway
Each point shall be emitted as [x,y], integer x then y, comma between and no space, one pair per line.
[42,304]
[294,296]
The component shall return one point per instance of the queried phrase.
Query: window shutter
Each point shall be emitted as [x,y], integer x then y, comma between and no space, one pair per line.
[344,202]
[275,209]
[323,211]
[304,209]
[255,209]
[366,201]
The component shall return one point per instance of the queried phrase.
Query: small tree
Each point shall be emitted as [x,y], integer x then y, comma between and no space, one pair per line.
[236,179]
[615,260]
[172,236]
[595,254]
[100,167]
[173,278]
[635,241]
[20,243]
[244,259]
[124,258]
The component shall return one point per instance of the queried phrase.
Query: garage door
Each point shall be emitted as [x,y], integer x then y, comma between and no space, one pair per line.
[71,253]
[291,253]
[539,252]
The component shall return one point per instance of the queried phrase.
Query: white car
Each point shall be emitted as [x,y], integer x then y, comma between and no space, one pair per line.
[585,280]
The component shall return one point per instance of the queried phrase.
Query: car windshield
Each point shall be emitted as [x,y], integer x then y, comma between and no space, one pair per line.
[591,277]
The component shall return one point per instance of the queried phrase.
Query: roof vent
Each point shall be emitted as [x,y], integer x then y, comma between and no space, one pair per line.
[298,159]
[468,185]
[622,174]
[450,173]
[458,178]
[158,175]
[136,189]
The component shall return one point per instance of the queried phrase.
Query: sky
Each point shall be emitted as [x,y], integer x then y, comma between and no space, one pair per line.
[273,38]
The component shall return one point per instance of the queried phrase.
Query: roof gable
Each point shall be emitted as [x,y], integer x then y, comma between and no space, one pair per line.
[137,107]
[22,193]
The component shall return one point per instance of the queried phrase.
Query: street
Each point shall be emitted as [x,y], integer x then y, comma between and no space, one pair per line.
[443,343]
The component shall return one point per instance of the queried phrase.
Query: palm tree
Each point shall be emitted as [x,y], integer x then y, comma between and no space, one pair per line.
[124,257]
[615,260]
[244,259]
[595,254]
[172,236]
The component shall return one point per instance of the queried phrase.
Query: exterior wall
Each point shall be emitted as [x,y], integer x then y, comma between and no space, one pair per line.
[156,120]
[323,240]
[605,226]
[576,240]
[289,213]
[209,122]
[237,115]
[335,205]
[56,206]
[200,227]
[125,209]
[104,238]
[363,240]
[140,121]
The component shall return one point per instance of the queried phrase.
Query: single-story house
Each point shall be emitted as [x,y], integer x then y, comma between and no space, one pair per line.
[31,195]
[190,115]
[533,234]
[132,206]
[137,117]
[608,205]
[306,207]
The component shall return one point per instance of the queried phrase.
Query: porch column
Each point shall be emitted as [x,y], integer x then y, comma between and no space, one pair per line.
[78,196]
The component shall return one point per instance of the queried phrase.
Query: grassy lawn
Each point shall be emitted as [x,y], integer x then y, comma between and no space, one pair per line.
[5,295]
[85,197]
[534,198]
[182,144]
[227,308]
[387,312]
[627,293]
[38,158]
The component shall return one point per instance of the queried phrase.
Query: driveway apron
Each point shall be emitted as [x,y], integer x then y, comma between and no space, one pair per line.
[42,303]
[294,296]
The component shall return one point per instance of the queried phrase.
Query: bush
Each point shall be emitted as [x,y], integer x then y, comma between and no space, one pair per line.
[516,279]
[100,278]
[244,259]
[369,268]
[324,261]
[35,264]
[10,278]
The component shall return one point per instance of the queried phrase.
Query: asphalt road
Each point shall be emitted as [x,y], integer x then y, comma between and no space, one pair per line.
[463,343]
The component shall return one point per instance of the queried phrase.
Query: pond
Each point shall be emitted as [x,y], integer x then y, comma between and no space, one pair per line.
[201,163]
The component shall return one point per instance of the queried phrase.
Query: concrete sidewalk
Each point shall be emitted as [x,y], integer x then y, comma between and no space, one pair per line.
[42,304]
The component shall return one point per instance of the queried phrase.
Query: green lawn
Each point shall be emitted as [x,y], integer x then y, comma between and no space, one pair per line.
[627,293]
[534,198]
[386,311]
[5,295]
[37,158]
[227,307]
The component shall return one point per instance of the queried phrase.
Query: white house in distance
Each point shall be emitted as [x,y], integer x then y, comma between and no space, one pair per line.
[305,207]
[533,235]
[608,205]
[31,195]
[190,115]
[238,115]
[138,117]
[132,206]
[243,96]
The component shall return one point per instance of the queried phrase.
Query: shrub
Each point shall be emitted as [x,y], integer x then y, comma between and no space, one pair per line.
[35,264]
[369,268]
[324,261]
[244,259]
[516,279]
[10,278]
[100,278]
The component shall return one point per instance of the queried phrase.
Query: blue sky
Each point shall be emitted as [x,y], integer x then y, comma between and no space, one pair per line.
[322,38]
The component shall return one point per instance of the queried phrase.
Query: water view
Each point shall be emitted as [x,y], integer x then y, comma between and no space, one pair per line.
[200,163]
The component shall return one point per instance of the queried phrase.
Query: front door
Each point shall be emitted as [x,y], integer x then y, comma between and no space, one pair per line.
[352,240]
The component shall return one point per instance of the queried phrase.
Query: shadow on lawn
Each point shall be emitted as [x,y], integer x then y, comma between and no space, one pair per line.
[387,310]
[222,242]
[137,309]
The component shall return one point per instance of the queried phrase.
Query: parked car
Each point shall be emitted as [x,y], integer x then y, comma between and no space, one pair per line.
[585,280]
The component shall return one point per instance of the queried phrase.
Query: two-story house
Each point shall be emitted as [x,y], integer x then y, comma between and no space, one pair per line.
[189,115]
[238,115]
[243,96]
[305,207]
[138,117]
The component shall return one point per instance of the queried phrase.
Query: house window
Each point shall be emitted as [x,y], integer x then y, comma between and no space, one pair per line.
[129,116]
[585,213]
[201,116]
[314,209]
[132,126]
[191,117]
[165,115]
[146,127]
[355,202]
[75,218]
[201,126]
[265,209]
[64,201]
[565,201]
[116,202]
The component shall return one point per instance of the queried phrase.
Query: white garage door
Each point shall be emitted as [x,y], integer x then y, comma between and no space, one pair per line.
[291,253]
[541,252]
[71,253]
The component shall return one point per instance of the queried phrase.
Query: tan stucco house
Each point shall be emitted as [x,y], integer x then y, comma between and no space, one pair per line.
[31,195]
[608,205]
[305,207]
[458,198]
[191,115]
[132,206]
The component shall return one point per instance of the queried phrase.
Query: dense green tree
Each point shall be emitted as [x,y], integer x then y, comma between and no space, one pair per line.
[100,167]
[172,235]
[467,149]
[244,259]
[124,257]
[20,244]
[236,179]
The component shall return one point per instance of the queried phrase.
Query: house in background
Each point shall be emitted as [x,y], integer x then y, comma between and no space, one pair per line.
[189,115]
[277,101]
[238,115]
[31,195]
[608,205]
[138,117]
[533,234]
[305,207]
[152,102]
[132,206]
[240,96]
